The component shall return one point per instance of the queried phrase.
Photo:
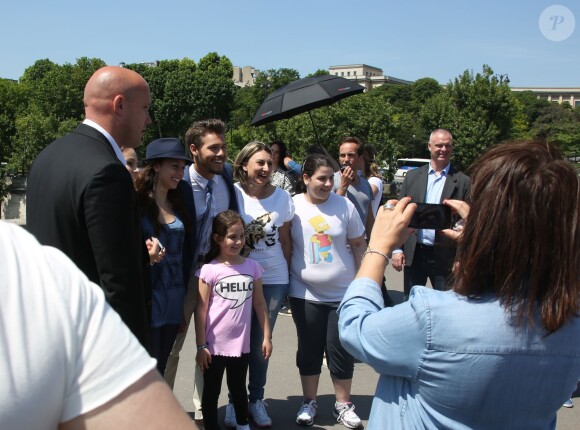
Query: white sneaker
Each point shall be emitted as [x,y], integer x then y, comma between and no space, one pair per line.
[244,427]
[344,413]
[230,419]
[257,413]
[306,414]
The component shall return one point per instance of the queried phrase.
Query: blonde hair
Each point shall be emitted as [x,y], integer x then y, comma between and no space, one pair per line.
[244,156]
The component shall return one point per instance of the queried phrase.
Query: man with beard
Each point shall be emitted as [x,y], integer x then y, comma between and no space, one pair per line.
[208,189]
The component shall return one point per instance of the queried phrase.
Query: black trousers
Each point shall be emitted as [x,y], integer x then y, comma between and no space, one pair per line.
[162,339]
[236,369]
[424,267]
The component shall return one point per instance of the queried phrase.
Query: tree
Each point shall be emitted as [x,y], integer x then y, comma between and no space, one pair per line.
[559,124]
[34,131]
[12,102]
[478,109]
[270,80]
[532,106]
[58,90]
[319,72]
[183,92]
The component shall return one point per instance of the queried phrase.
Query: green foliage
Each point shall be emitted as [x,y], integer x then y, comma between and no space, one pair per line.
[319,72]
[34,131]
[478,109]
[559,124]
[58,90]
[183,92]
[12,103]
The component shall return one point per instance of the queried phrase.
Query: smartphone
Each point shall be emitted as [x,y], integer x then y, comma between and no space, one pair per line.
[431,216]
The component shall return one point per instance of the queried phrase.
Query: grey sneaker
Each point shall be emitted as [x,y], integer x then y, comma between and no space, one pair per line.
[230,419]
[568,403]
[344,413]
[258,414]
[306,414]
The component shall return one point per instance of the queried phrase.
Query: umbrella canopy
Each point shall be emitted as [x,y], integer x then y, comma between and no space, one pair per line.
[304,95]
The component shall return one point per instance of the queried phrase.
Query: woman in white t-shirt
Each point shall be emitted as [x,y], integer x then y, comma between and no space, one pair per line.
[372,174]
[327,246]
[267,211]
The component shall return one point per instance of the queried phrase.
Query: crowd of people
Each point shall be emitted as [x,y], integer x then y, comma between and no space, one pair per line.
[184,236]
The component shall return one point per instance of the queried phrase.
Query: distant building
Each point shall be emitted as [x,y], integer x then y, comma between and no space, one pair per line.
[245,76]
[554,95]
[368,76]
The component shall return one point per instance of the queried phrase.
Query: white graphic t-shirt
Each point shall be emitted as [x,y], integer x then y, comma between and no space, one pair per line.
[322,265]
[229,314]
[263,218]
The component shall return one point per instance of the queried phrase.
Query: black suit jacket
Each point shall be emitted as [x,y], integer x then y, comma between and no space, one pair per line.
[81,200]
[415,185]
[190,245]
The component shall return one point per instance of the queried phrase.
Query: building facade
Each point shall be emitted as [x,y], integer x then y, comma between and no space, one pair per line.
[368,76]
[554,95]
[245,76]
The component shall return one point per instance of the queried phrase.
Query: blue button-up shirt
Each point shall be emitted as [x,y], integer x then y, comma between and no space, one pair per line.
[450,362]
[435,184]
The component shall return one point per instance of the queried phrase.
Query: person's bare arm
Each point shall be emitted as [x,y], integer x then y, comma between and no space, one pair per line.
[203,356]
[285,241]
[261,309]
[390,231]
[357,246]
[148,404]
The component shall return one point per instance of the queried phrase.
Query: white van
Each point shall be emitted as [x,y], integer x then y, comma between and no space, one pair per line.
[406,164]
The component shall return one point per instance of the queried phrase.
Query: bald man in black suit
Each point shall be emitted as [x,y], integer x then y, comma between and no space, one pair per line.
[80,196]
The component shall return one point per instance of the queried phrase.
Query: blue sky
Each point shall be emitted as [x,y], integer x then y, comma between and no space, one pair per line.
[408,40]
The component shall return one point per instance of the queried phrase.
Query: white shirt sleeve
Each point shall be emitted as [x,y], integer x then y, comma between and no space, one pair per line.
[63,350]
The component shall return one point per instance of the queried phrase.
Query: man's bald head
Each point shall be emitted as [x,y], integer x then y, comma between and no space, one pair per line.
[118,100]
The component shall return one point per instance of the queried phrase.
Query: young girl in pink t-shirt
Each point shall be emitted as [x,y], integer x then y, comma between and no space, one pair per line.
[229,286]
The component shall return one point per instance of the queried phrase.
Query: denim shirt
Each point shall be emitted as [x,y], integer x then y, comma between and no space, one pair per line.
[450,362]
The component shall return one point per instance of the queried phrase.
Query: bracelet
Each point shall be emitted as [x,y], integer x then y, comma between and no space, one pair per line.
[374,251]
[200,347]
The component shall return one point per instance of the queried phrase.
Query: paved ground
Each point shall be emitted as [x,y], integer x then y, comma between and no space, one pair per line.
[283,388]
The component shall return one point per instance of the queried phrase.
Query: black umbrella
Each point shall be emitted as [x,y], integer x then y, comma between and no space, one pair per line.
[304,95]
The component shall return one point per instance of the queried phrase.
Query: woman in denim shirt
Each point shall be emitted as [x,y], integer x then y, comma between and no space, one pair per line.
[501,349]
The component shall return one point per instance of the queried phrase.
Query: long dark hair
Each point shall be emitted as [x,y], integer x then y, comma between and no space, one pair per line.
[311,164]
[283,151]
[145,187]
[221,223]
[521,240]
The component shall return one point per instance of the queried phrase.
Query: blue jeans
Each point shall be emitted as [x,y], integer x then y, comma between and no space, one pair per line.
[274,295]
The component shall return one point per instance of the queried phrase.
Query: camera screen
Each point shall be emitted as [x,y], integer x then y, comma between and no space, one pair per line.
[431,216]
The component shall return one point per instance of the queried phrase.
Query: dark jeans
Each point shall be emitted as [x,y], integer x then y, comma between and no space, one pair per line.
[162,339]
[424,267]
[317,329]
[236,370]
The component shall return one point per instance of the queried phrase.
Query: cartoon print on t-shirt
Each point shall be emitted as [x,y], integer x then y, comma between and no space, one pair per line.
[236,287]
[320,242]
[255,231]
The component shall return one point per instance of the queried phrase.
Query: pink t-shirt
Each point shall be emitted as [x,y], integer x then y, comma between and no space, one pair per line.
[229,314]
